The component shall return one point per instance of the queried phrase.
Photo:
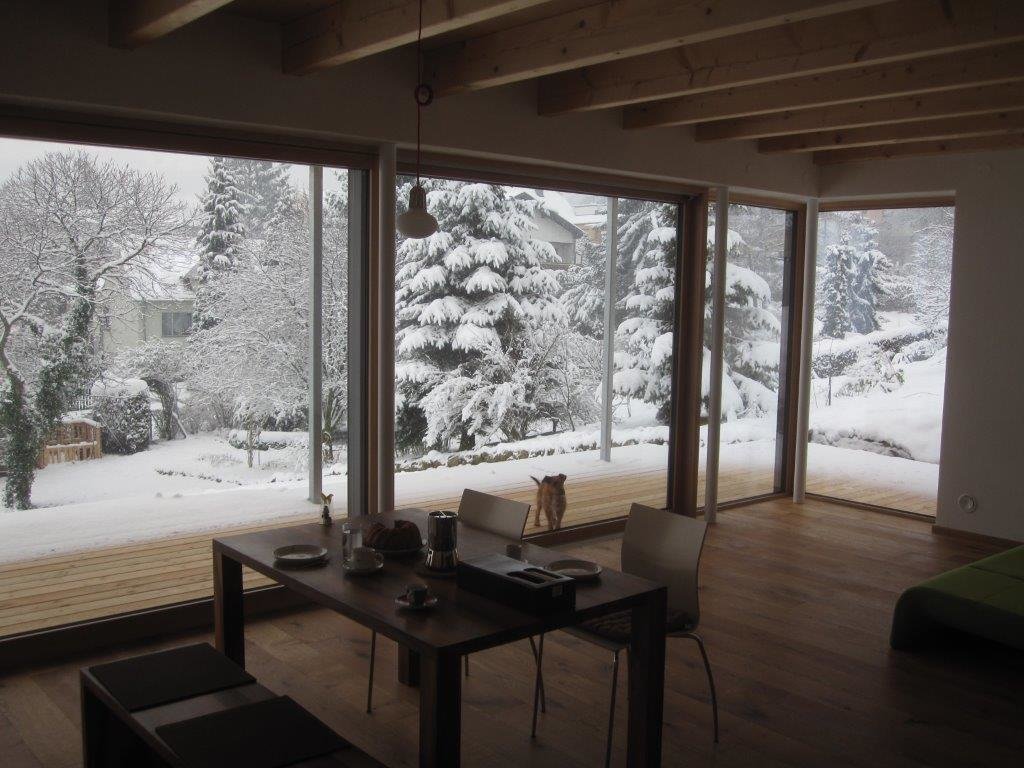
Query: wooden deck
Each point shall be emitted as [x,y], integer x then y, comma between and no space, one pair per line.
[796,604]
[53,591]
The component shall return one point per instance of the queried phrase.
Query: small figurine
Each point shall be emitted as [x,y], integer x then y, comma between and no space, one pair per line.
[325,516]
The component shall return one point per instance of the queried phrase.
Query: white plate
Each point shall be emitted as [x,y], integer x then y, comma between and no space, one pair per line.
[353,571]
[300,554]
[581,570]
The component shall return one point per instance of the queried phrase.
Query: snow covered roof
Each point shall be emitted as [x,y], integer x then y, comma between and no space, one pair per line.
[170,270]
[553,204]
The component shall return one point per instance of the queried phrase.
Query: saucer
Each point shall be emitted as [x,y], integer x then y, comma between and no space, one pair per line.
[581,570]
[374,568]
[403,602]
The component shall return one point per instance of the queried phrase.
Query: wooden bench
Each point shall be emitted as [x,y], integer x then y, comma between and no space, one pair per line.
[115,737]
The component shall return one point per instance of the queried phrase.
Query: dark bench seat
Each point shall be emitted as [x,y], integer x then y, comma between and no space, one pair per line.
[985,598]
[112,735]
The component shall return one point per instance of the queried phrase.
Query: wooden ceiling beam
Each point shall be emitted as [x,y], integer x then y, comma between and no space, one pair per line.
[136,22]
[608,30]
[353,29]
[884,34]
[920,148]
[900,133]
[938,73]
[956,103]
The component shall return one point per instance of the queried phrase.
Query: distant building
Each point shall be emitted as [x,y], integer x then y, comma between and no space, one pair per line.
[554,220]
[159,310]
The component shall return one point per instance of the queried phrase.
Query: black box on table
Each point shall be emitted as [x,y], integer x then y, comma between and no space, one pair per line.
[519,585]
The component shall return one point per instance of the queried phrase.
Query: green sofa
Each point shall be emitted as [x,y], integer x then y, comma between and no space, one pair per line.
[985,598]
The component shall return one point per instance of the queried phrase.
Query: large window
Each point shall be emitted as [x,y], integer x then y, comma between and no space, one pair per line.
[523,353]
[756,344]
[879,355]
[155,377]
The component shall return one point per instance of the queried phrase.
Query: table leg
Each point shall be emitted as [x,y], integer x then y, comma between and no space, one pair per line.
[228,621]
[93,728]
[647,682]
[440,710]
[408,666]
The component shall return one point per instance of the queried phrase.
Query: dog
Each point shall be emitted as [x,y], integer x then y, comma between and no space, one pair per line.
[550,499]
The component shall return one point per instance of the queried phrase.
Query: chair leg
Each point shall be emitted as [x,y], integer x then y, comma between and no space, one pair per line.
[536,659]
[538,682]
[711,680]
[611,710]
[369,687]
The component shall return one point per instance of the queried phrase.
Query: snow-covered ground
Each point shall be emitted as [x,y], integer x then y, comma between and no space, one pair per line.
[203,483]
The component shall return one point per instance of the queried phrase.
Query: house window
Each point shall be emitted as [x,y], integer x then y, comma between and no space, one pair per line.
[175,324]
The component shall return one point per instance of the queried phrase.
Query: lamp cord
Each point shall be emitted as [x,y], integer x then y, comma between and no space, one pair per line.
[419,83]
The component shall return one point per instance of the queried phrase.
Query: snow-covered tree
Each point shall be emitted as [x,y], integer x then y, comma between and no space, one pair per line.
[583,288]
[752,329]
[221,235]
[162,365]
[266,193]
[643,358]
[932,269]
[75,235]
[469,300]
[835,290]
[865,283]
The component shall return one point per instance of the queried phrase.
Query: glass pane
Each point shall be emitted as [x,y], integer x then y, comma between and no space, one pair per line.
[163,363]
[645,316]
[500,350]
[757,267]
[879,358]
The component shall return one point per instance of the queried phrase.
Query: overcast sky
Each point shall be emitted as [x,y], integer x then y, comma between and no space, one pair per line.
[186,171]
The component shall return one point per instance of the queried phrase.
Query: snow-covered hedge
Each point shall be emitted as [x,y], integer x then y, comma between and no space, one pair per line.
[268,441]
[549,445]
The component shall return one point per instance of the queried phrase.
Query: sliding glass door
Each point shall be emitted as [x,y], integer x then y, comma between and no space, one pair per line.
[757,350]
[879,355]
[534,344]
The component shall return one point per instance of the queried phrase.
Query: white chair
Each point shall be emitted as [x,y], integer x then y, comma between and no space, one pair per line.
[504,517]
[665,548]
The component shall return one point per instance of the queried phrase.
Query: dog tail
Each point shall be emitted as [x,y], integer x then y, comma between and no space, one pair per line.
[535,480]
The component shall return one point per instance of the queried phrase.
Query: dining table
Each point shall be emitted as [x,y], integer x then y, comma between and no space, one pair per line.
[432,643]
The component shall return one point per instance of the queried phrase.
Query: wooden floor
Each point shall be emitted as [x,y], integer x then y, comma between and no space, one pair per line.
[796,605]
[50,592]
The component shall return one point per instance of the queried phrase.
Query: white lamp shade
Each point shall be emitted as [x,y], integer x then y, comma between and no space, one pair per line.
[416,222]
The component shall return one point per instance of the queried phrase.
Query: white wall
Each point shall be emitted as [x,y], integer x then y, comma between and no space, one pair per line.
[983,424]
[226,69]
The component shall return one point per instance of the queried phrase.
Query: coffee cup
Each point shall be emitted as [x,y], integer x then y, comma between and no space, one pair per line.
[416,594]
[362,558]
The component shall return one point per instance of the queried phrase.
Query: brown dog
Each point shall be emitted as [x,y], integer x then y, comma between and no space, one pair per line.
[550,499]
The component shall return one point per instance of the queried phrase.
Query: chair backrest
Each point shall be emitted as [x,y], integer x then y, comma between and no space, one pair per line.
[504,517]
[665,547]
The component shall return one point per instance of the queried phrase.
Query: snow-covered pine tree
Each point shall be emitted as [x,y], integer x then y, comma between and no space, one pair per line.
[835,290]
[583,288]
[647,250]
[220,237]
[265,191]
[468,301]
[865,287]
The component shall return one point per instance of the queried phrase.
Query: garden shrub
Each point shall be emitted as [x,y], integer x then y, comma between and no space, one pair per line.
[126,421]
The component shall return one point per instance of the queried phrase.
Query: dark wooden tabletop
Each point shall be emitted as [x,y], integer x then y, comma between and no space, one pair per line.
[462,622]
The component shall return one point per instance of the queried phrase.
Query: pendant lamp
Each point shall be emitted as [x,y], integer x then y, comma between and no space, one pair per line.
[416,222]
